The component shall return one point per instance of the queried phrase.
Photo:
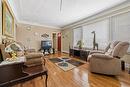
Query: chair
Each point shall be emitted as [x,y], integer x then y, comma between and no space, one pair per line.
[33,58]
[108,62]
[107,49]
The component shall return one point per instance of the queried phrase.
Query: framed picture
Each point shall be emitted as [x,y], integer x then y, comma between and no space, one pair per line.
[8,21]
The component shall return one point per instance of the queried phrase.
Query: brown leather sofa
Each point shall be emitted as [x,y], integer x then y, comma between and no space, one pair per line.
[108,62]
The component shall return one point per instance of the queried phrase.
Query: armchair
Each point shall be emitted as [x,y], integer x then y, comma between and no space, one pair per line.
[33,58]
[107,49]
[108,62]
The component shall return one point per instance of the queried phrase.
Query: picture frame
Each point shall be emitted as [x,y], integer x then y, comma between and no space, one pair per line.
[7,21]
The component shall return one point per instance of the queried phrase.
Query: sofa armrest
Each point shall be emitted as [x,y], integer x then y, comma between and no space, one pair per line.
[95,51]
[29,51]
[103,56]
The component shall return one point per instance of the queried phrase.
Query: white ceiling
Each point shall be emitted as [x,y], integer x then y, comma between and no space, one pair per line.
[47,12]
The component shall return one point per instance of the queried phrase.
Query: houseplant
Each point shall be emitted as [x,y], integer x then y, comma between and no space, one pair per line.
[80,44]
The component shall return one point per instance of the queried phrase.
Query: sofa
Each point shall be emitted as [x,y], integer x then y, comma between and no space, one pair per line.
[108,62]
[33,58]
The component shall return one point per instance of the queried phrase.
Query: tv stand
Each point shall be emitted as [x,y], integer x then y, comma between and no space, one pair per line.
[80,53]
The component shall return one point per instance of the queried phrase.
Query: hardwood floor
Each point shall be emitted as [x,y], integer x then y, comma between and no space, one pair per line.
[77,77]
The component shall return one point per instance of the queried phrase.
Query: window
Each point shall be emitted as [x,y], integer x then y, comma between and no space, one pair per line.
[121,27]
[77,35]
[101,29]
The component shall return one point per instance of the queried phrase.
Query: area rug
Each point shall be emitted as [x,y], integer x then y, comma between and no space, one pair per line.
[66,64]
[55,60]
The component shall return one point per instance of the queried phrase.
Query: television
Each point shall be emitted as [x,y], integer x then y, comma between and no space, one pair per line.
[46,44]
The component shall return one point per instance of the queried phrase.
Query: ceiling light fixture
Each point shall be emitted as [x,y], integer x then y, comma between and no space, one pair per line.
[61,2]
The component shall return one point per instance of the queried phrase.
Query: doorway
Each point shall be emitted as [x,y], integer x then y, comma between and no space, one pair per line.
[54,41]
[59,42]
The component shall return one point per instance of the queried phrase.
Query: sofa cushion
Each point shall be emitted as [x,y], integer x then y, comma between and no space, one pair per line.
[111,47]
[120,49]
[33,62]
[103,56]
[33,55]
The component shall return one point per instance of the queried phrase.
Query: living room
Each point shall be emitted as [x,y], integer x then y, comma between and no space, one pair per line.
[64,43]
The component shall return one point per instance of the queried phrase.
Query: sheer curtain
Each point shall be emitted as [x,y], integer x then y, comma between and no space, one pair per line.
[101,29]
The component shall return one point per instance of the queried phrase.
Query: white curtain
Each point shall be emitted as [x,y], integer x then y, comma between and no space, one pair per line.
[101,29]
[77,35]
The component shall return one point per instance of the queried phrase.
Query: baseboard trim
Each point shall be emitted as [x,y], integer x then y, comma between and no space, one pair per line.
[65,51]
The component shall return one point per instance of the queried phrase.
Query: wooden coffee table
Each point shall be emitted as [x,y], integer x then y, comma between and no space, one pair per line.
[36,71]
[12,74]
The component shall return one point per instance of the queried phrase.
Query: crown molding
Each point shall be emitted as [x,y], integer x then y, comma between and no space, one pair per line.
[36,24]
[115,10]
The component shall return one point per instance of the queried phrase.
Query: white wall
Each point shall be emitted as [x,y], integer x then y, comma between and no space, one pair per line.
[66,40]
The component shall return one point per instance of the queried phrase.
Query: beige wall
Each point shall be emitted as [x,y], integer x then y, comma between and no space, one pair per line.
[32,38]
[67,40]
[0,22]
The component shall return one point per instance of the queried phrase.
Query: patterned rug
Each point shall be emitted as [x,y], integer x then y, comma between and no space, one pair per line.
[66,63]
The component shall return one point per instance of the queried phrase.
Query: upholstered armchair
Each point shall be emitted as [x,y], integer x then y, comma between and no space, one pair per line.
[108,62]
[107,49]
[33,58]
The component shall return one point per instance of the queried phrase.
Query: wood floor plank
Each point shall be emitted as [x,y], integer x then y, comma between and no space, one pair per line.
[77,77]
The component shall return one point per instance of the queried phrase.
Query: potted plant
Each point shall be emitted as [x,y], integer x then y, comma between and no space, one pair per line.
[80,44]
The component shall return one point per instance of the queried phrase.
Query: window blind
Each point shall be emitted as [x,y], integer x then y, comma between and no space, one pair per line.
[101,29]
